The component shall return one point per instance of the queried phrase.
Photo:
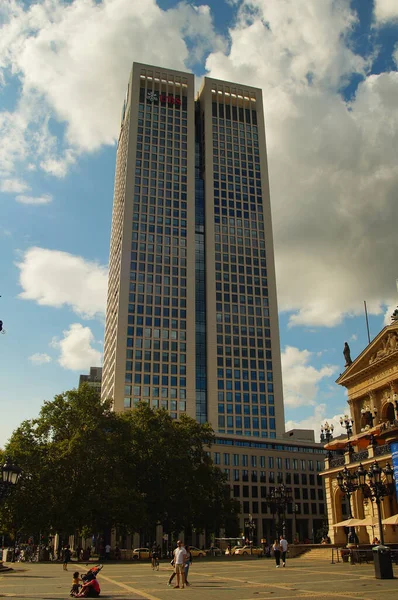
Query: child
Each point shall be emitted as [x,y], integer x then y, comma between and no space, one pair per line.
[75,584]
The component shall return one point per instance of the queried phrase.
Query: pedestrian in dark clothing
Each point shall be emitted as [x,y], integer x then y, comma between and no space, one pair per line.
[277,553]
[67,557]
[188,562]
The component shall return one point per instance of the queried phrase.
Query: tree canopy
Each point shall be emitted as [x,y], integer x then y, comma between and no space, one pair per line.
[87,467]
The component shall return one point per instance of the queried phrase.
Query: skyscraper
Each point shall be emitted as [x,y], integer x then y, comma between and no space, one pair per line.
[192,321]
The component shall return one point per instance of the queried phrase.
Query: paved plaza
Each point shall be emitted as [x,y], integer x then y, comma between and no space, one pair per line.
[210,580]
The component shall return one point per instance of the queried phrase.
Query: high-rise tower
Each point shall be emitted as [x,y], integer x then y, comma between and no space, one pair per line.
[192,321]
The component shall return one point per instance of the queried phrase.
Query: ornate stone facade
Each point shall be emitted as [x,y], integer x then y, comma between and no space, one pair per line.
[372,385]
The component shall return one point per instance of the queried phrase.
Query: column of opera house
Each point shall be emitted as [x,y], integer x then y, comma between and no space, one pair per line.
[371,381]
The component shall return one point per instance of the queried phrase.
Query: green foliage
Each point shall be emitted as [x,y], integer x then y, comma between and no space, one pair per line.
[86,467]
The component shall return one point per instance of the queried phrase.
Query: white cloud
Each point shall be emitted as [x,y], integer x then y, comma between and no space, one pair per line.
[76,352]
[40,359]
[333,172]
[300,379]
[45,199]
[314,422]
[389,311]
[13,186]
[73,61]
[385,10]
[58,167]
[333,169]
[54,278]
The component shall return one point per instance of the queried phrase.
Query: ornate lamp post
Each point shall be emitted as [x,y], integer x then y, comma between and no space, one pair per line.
[278,500]
[295,509]
[251,526]
[326,433]
[376,489]
[395,399]
[347,423]
[348,483]
[10,475]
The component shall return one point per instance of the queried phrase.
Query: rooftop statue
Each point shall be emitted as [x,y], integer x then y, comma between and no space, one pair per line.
[347,355]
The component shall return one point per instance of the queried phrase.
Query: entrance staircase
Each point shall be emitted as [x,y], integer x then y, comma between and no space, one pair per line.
[315,553]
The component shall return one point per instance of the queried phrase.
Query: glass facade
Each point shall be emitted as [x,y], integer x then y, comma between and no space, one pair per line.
[155,369]
[244,354]
[200,274]
[191,330]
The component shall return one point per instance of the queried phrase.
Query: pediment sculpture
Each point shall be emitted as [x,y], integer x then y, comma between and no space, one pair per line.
[388,345]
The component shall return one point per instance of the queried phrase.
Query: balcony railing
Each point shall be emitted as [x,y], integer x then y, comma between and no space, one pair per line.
[359,456]
[380,450]
[336,462]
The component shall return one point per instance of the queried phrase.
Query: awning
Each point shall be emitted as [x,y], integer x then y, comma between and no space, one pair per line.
[391,520]
[371,520]
[349,523]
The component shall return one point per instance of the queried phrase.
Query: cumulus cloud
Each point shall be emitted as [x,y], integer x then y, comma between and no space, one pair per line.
[40,359]
[333,172]
[45,199]
[58,167]
[316,420]
[300,379]
[55,278]
[13,186]
[76,351]
[73,61]
[385,10]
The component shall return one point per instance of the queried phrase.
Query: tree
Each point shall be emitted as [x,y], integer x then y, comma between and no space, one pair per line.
[85,466]
[75,467]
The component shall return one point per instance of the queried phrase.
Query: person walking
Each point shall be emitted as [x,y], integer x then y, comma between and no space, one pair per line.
[277,553]
[173,573]
[283,546]
[188,562]
[67,557]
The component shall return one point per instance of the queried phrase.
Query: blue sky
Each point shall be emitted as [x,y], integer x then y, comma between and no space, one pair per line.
[329,76]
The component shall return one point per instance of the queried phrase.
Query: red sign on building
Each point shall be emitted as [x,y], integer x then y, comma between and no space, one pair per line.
[170,100]
[153,97]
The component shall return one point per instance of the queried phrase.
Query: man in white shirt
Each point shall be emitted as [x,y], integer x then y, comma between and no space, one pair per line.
[180,556]
[108,551]
[284,545]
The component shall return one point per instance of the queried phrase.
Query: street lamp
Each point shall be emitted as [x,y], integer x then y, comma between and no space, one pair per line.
[376,489]
[278,500]
[295,509]
[347,423]
[251,526]
[10,475]
[326,433]
[348,483]
[395,399]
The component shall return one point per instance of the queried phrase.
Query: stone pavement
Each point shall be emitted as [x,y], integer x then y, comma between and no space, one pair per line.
[210,580]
